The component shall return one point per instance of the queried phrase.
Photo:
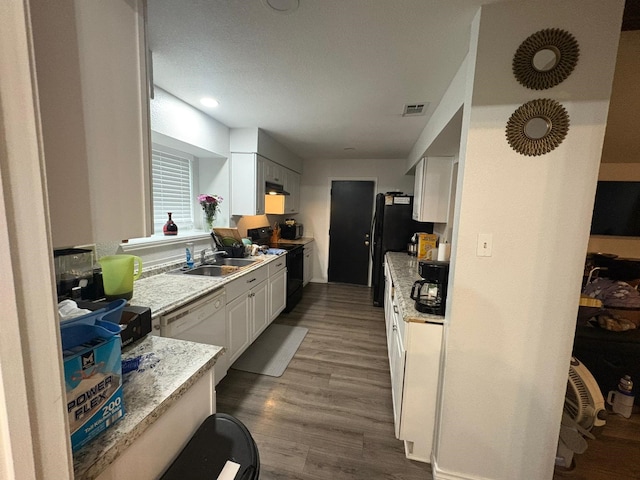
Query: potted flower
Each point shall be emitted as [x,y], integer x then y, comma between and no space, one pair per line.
[210,205]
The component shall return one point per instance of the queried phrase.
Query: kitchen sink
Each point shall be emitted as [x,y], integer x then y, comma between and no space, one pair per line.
[219,268]
[235,262]
[209,271]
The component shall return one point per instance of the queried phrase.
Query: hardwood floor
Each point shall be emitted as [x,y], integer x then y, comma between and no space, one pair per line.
[613,455]
[329,416]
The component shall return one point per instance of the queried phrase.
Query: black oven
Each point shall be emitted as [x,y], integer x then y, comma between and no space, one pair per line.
[295,261]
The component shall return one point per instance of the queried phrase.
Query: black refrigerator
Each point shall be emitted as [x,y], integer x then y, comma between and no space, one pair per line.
[391,231]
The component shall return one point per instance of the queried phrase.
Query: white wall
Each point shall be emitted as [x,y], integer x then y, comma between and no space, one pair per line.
[178,125]
[510,318]
[315,196]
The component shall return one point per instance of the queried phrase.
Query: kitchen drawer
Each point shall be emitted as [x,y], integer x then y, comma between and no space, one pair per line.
[277,265]
[243,284]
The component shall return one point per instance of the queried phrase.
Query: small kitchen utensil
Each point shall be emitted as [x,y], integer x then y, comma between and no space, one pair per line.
[118,275]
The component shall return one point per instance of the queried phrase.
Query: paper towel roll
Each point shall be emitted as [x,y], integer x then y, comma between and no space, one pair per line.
[444,251]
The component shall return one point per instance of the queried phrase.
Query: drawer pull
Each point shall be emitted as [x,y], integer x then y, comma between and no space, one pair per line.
[252,280]
[279,264]
[395,309]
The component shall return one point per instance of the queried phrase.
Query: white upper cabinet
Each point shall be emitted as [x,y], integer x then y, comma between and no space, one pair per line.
[285,204]
[292,185]
[92,79]
[432,189]
[247,184]
[273,172]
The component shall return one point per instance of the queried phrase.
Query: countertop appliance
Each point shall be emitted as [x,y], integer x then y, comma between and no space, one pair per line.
[391,231]
[202,321]
[430,293]
[291,231]
[135,321]
[76,275]
[295,263]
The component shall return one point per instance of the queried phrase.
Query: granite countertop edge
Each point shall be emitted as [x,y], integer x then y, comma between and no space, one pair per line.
[404,270]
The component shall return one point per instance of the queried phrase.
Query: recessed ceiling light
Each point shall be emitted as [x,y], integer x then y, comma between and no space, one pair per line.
[282,6]
[209,102]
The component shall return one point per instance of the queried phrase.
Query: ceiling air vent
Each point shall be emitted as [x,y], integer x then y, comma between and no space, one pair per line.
[414,109]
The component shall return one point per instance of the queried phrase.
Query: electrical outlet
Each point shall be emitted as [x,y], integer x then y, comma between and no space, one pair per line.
[485,244]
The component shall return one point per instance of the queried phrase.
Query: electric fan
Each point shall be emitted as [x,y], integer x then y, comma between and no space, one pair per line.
[583,402]
[583,410]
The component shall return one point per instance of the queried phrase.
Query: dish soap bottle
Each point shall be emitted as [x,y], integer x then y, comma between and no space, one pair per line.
[170,228]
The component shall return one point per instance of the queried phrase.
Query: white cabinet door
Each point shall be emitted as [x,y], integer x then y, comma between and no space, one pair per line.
[397,378]
[247,184]
[238,326]
[292,185]
[273,172]
[432,189]
[90,59]
[259,309]
[277,293]
[307,263]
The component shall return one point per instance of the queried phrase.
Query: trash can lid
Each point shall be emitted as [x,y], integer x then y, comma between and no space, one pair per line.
[220,438]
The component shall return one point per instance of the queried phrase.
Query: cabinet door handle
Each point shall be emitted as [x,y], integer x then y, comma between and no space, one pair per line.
[395,327]
[395,309]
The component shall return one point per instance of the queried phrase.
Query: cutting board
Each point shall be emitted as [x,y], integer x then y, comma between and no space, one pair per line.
[228,232]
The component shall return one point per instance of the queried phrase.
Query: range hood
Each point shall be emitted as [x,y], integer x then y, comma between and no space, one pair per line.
[274,189]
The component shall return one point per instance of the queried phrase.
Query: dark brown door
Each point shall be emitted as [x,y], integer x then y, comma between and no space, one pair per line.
[350,222]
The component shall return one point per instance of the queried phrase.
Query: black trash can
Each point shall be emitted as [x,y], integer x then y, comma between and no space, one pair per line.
[219,439]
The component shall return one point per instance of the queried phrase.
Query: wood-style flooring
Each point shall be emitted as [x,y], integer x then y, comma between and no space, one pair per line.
[612,455]
[329,416]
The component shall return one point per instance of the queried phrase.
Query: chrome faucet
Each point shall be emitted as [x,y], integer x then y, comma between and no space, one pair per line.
[214,252]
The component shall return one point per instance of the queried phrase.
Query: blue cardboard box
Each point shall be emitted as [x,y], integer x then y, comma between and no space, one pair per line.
[93,377]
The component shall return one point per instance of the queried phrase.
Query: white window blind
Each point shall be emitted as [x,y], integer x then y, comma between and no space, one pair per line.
[172,191]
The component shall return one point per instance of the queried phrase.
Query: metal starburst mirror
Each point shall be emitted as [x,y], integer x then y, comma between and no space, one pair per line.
[537,127]
[545,58]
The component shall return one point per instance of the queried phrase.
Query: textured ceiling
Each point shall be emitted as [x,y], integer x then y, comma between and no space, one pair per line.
[332,75]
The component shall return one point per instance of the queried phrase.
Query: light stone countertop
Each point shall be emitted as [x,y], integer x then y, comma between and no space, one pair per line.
[404,271]
[165,292]
[299,241]
[169,368]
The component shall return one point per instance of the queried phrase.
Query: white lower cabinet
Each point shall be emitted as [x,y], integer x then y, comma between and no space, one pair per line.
[246,319]
[414,363]
[307,265]
[277,287]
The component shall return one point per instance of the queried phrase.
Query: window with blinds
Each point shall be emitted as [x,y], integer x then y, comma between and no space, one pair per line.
[172,189]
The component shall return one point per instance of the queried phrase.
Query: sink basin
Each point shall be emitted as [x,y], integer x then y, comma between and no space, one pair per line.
[209,271]
[236,262]
[219,268]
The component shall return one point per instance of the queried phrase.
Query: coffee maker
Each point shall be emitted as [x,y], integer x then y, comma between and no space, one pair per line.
[430,293]
[76,275]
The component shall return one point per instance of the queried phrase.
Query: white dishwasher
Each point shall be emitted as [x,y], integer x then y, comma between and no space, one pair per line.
[201,321]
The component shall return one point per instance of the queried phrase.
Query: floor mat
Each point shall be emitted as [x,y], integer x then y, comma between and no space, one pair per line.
[272,351]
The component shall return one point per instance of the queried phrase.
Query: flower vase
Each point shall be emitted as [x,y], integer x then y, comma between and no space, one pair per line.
[208,222]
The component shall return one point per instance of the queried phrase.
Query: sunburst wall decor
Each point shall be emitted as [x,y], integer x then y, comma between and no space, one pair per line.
[537,127]
[545,58]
